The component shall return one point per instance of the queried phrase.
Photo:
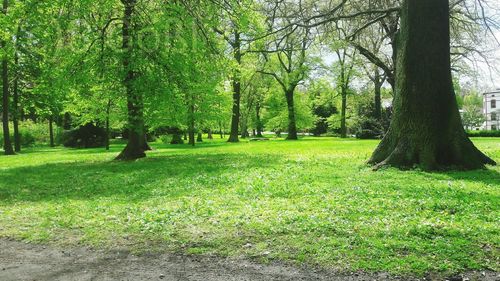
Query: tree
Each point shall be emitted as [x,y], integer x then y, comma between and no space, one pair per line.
[346,62]
[235,28]
[426,129]
[472,115]
[136,141]
[288,60]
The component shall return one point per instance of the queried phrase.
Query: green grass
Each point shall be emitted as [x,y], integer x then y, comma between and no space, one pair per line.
[311,201]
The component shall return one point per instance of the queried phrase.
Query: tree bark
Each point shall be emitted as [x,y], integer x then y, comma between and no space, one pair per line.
[235,120]
[292,123]
[7,145]
[135,146]
[210,135]
[200,137]
[426,129]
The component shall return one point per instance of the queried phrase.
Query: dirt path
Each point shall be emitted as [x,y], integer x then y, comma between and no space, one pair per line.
[21,261]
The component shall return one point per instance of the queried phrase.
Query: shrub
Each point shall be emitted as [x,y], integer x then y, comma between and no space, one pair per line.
[165,139]
[484,134]
[87,136]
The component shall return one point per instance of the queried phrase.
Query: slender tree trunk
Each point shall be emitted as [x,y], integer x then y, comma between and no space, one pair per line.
[200,137]
[191,125]
[108,133]
[51,131]
[7,145]
[235,120]
[426,129]
[135,145]
[378,95]
[258,121]
[343,113]
[15,113]
[210,135]
[292,125]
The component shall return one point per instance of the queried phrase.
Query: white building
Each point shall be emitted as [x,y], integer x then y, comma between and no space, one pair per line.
[491,110]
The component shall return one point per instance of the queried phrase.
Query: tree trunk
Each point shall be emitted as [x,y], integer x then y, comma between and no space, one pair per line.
[135,146]
[7,145]
[51,131]
[15,113]
[192,141]
[200,137]
[210,135]
[108,110]
[426,129]
[292,124]
[145,144]
[378,95]
[235,120]
[258,121]
[343,113]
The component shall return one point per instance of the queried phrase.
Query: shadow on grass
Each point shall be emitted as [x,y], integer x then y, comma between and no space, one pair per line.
[175,175]
[486,176]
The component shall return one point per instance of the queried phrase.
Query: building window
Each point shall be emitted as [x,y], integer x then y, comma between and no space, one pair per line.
[493,116]
[493,127]
[493,103]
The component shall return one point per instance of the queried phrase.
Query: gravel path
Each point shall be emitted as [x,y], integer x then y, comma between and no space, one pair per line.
[21,261]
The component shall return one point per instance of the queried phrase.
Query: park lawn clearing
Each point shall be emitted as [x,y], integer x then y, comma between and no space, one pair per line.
[311,201]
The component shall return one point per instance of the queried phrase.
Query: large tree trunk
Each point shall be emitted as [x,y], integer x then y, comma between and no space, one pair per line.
[343,114]
[235,120]
[426,129]
[292,124]
[7,145]
[135,146]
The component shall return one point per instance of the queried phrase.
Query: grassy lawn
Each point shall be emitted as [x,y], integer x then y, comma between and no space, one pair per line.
[312,201]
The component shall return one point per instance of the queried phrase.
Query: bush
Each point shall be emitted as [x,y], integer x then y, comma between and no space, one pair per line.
[484,134]
[165,139]
[87,136]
